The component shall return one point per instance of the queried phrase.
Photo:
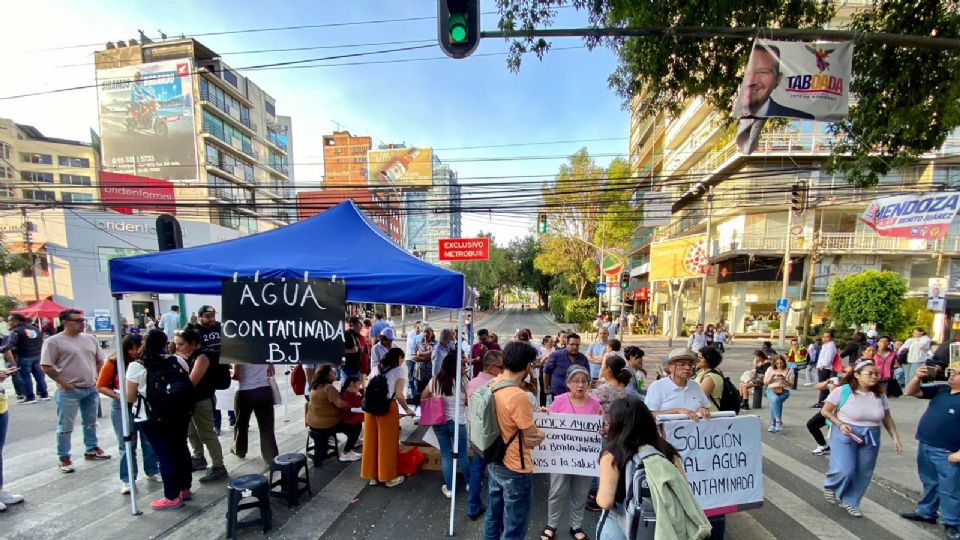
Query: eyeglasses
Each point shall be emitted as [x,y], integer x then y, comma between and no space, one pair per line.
[870,373]
[952,372]
[578,381]
[74,320]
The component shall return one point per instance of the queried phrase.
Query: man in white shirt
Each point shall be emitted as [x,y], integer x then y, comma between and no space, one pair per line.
[698,339]
[918,348]
[678,393]
[170,322]
[825,366]
[384,344]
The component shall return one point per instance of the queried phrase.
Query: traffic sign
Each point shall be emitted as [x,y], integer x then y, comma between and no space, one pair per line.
[601,288]
[465,249]
[783,305]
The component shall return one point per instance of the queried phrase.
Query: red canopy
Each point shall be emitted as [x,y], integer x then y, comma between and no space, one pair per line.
[47,308]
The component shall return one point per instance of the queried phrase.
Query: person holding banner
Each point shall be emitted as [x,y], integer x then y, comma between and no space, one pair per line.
[678,393]
[568,489]
[856,409]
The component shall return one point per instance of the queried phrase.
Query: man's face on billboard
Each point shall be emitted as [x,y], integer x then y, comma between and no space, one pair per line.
[763,75]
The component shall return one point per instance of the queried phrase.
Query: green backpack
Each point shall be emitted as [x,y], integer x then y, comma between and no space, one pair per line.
[484,427]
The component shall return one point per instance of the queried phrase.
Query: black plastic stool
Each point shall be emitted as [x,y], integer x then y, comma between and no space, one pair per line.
[325,437]
[290,484]
[245,487]
[757,401]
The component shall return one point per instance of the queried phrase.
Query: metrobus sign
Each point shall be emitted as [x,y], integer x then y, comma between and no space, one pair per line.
[464,249]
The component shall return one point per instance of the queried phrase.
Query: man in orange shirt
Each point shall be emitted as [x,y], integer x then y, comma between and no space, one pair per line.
[510,482]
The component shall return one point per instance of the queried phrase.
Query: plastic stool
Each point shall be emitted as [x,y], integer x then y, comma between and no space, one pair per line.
[245,487]
[757,401]
[326,437]
[290,484]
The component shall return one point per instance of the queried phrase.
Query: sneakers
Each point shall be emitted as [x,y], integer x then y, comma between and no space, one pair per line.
[186,494]
[350,456]
[372,482]
[154,478]
[214,474]
[124,489]
[772,428]
[446,492]
[397,481]
[7,498]
[952,532]
[830,496]
[912,516]
[45,398]
[818,405]
[808,384]
[852,510]
[96,454]
[166,504]
[199,464]
[30,401]
[66,466]
[778,427]
[3,507]
[21,399]
[821,450]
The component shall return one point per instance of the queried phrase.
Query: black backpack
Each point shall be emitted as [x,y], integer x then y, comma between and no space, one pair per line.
[377,397]
[730,397]
[169,392]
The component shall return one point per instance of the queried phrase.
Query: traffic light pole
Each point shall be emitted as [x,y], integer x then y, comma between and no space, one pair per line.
[703,282]
[786,279]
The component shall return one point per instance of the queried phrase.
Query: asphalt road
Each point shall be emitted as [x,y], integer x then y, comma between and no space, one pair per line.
[88,502]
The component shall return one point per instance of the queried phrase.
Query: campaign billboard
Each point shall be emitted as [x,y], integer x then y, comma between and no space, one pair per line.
[146,120]
[792,79]
[400,167]
[125,192]
[924,215]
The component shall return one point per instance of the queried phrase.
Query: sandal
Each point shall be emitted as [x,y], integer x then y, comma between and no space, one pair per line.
[578,534]
[548,533]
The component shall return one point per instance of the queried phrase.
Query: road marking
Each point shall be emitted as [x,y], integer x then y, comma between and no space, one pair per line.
[886,519]
[813,520]
[743,526]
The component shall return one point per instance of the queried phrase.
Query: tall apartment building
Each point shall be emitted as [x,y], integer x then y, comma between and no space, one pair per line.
[686,155]
[174,111]
[34,167]
[345,160]
[433,213]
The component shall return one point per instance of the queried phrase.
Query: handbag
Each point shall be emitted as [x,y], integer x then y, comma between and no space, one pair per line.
[893,388]
[431,409]
[275,389]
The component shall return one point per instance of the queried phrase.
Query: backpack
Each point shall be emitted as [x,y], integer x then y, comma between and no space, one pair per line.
[485,429]
[169,392]
[639,515]
[730,397]
[220,376]
[377,398]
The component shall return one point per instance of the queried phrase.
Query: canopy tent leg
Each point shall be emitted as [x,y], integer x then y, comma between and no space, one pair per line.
[403,320]
[124,409]
[456,415]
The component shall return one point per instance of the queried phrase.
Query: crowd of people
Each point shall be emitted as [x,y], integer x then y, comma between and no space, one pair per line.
[173,375]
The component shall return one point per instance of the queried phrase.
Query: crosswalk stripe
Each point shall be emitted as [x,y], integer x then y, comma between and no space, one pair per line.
[813,520]
[743,526]
[887,519]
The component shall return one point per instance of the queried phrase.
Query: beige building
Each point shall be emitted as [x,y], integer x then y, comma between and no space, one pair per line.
[34,167]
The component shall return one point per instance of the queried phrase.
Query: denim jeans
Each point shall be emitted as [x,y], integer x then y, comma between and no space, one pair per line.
[509,497]
[444,434]
[941,485]
[30,367]
[608,527]
[477,469]
[852,463]
[411,382]
[900,376]
[150,464]
[84,400]
[4,420]
[17,381]
[776,404]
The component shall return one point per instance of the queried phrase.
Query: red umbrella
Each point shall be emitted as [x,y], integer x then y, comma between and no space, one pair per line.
[47,309]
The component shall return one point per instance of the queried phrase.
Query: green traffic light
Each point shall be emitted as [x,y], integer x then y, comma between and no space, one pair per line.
[458,28]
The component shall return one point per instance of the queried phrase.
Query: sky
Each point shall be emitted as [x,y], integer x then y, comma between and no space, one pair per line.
[441,103]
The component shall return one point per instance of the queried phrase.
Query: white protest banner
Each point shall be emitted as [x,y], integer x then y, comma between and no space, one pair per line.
[723,461]
[925,215]
[572,444]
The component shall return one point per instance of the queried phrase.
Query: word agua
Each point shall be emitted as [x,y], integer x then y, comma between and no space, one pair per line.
[291,295]
[815,84]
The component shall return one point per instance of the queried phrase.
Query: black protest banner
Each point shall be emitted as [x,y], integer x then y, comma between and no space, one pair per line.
[282,321]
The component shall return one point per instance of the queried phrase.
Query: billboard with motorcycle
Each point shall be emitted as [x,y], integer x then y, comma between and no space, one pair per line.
[146,120]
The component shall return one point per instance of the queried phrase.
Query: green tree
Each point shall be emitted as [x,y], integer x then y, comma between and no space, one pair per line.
[588,206]
[11,263]
[895,86]
[524,251]
[492,277]
[870,296]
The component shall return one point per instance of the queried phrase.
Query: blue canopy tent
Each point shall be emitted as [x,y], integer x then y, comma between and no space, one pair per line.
[341,242]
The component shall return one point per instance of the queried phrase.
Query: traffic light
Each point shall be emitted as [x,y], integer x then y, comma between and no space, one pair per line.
[796,198]
[542,223]
[458,26]
[625,280]
[169,234]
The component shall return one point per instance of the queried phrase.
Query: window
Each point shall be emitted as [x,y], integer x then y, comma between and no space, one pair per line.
[69,196]
[7,192]
[269,107]
[74,180]
[78,163]
[37,177]
[6,172]
[5,150]
[230,77]
[38,195]
[39,159]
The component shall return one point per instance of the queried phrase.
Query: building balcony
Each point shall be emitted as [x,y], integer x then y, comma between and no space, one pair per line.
[240,175]
[274,139]
[863,243]
[278,168]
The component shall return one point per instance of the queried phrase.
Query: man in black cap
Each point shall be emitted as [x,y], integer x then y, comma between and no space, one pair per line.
[202,431]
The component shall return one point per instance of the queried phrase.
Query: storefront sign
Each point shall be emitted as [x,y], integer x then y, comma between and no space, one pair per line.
[283,321]
[681,258]
[723,461]
[101,320]
[572,444]
[464,249]
[125,192]
[641,294]
[926,215]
